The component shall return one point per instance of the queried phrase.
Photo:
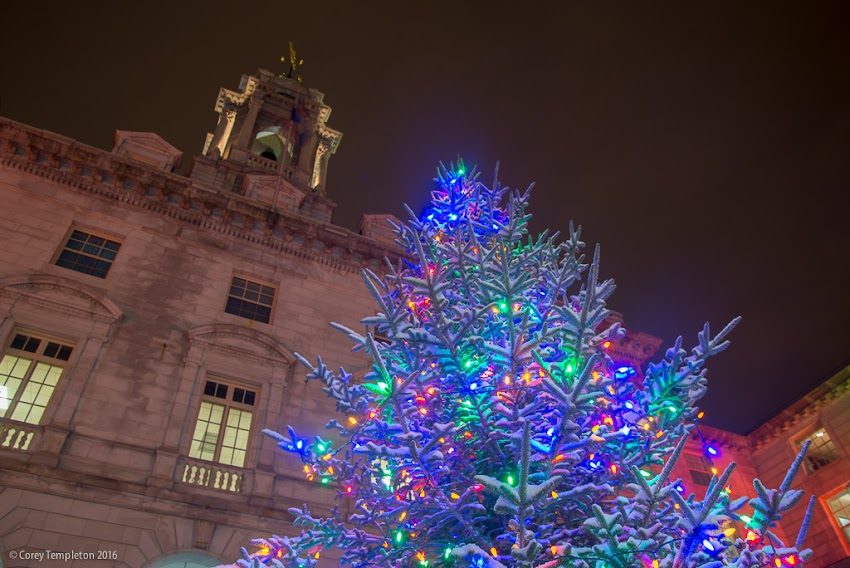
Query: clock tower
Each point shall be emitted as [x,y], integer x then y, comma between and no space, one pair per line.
[271,143]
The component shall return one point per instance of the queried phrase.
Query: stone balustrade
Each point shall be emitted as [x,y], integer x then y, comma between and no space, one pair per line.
[215,476]
[16,435]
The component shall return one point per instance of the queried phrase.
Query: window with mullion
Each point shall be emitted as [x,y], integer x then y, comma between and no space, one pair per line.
[839,505]
[88,253]
[822,450]
[250,300]
[29,372]
[223,428]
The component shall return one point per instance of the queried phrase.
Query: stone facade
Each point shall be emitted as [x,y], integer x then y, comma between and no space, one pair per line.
[107,467]
[823,416]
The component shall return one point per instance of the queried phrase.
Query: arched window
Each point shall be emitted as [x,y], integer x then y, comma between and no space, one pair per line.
[40,367]
[232,383]
[186,560]
[270,144]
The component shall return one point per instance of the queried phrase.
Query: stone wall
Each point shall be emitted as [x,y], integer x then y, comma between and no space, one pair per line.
[773,458]
[107,467]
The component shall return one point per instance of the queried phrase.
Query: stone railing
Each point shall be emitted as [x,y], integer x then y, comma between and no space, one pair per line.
[215,476]
[264,163]
[16,436]
[272,165]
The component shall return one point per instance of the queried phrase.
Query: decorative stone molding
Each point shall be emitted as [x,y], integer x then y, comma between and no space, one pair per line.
[202,534]
[90,170]
[837,386]
[241,342]
[62,294]
[722,438]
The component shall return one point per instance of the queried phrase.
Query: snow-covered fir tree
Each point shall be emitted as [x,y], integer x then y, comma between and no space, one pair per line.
[493,429]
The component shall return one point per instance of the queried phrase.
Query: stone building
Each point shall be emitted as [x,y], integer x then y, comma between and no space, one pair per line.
[822,417]
[148,322]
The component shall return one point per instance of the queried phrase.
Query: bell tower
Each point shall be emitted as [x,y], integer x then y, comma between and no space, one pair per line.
[272,128]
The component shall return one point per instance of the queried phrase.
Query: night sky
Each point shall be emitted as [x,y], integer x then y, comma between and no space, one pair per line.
[707,149]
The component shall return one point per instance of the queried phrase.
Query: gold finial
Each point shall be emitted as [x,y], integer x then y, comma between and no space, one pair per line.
[294,64]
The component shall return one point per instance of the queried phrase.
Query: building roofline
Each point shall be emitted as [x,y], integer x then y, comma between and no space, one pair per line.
[836,384]
[107,175]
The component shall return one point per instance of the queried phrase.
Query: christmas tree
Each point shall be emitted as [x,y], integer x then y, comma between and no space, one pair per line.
[493,429]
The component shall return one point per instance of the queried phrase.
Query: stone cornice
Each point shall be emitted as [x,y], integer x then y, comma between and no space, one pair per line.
[98,172]
[724,438]
[793,415]
[802,409]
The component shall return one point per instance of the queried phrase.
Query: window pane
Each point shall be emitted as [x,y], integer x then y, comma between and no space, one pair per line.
[226,456]
[88,254]
[700,477]
[19,341]
[51,350]
[236,436]
[12,371]
[207,428]
[263,314]
[53,374]
[25,343]
[12,366]
[36,394]
[222,431]
[840,507]
[822,450]
[64,353]
[233,305]
[75,244]
[250,300]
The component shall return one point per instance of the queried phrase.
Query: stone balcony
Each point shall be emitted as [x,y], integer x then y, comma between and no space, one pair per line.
[218,477]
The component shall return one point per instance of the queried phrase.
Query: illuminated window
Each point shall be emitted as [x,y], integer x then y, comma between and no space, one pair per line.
[29,372]
[223,428]
[89,254]
[382,472]
[840,506]
[822,450]
[250,300]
